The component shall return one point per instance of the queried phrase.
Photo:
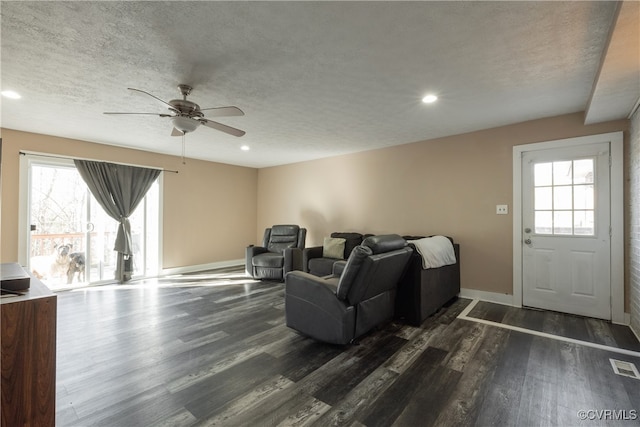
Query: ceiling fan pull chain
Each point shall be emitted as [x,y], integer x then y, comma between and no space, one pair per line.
[183,135]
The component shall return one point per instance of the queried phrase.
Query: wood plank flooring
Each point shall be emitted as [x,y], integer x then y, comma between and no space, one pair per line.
[212,349]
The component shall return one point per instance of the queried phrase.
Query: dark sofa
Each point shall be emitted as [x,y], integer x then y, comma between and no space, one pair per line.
[423,292]
[420,292]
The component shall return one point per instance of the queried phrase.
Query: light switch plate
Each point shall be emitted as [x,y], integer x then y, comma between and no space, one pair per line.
[502,209]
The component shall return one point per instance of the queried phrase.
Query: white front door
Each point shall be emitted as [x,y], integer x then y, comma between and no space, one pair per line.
[566,241]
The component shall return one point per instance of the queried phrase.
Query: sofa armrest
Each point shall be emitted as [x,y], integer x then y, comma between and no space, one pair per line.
[250,252]
[292,260]
[320,291]
[308,254]
[338,268]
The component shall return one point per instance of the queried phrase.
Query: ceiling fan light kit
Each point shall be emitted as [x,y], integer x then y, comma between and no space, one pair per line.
[184,124]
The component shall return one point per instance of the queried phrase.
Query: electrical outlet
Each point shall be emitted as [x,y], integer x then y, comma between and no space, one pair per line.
[502,209]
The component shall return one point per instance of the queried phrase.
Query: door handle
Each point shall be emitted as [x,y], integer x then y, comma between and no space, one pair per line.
[527,241]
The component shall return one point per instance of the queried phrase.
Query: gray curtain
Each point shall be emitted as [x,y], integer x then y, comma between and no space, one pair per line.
[119,189]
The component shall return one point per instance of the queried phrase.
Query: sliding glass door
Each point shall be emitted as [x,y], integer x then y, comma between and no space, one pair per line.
[71,238]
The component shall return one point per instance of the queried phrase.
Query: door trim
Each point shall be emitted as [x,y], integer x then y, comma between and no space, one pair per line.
[615,140]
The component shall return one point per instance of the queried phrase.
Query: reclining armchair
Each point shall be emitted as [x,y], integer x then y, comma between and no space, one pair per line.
[357,297]
[318,261]
[281,252]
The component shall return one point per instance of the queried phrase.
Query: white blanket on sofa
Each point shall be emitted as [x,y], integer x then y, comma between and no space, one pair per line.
[436,251]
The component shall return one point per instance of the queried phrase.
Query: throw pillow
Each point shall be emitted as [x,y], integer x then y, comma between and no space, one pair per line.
[333,247]
[353,240]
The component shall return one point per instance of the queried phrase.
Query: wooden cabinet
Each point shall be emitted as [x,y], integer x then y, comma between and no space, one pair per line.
[28,357]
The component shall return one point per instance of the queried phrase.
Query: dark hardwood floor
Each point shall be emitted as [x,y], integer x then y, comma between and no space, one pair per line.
[212,349]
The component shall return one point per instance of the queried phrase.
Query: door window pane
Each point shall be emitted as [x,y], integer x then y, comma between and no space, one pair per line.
[562,173]
[583,223]
[136,219]
[543,222]
[583,197]
[543,198]
[102,236]
[144,221]
[562,222]
[564,197]
[58,203]
[152,256]
[583,171]
[543,174]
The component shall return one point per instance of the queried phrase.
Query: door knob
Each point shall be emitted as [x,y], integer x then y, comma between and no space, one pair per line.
[527,230]
[528,241]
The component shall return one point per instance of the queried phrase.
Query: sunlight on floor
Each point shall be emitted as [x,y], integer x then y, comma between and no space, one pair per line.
[205,279]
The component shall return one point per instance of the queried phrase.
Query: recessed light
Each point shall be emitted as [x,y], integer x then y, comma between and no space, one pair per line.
[245,148]
[11,94]
[429,99]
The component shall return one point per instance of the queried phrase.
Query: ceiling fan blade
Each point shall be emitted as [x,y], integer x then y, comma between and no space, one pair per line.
[222,128]
[153,96]
[144,114]
[223,111]
[176,132]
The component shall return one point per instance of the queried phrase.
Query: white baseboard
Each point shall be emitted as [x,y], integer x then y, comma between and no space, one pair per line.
[504,299]
[626,320]
[202,267]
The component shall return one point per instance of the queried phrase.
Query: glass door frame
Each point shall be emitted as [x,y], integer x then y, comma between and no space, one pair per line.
[27,160]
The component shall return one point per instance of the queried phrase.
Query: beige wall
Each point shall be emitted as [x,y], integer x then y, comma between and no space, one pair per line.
[442,186]
[209,209]
[445,186]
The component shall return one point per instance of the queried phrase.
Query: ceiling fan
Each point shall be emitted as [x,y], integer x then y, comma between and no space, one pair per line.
[187,116]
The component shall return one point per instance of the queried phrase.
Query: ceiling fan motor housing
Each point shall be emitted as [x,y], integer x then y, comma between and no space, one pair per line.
[187,112]
[186,108]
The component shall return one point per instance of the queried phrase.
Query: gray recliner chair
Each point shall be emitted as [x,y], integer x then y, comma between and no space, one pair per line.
[314,261]
[281,252]
[357,297]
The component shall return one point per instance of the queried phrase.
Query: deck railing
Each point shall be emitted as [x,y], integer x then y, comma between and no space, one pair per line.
[45,244]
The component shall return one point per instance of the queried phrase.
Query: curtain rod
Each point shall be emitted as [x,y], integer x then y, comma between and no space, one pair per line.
[53,156]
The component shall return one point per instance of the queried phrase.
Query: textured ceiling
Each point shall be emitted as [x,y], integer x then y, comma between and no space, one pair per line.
[315,79]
